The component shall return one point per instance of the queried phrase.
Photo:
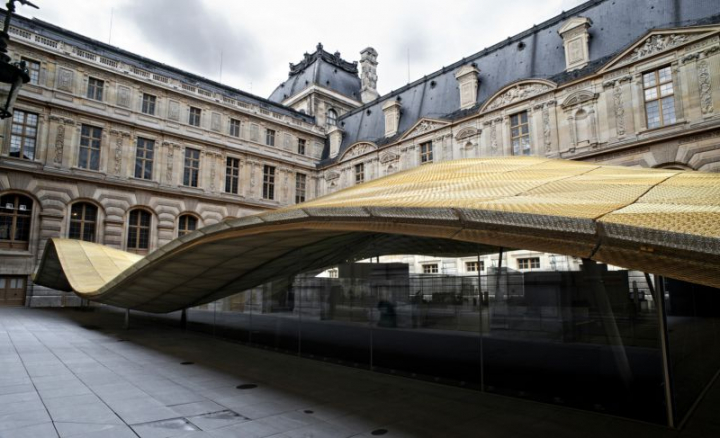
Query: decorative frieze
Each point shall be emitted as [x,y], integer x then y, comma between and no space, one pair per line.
[619,109]
[656,44]
[517,93]
[123,98]
[59,144]
[706,103]
[546,128]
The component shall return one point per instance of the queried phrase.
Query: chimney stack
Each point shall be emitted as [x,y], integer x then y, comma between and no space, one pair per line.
[368,75]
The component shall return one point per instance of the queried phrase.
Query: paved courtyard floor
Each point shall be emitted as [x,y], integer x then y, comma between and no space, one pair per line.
[71,373]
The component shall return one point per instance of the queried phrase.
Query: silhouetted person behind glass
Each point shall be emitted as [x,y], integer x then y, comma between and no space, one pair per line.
[387,314]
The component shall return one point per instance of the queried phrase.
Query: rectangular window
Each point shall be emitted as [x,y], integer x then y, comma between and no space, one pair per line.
[426,152]
[270,137]
[473,266]
[300,183]
[268,182]
[232,175]
[23,135]
[148,104]
[359,173]
[34,70]
[659,97]
[90,138]
[195,114]
[520,133]
[95,89]
[235,127]
[192,167]
[301,146]
[431,268]
[144,155]
[529,263]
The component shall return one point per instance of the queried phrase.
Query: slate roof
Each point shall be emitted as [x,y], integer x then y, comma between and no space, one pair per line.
[57,33]
[535,53]
[321,68]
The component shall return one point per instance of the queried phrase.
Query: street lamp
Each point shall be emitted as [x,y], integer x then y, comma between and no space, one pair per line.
[12,74]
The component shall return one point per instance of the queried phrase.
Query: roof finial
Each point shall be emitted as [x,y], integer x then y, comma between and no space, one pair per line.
[319,46]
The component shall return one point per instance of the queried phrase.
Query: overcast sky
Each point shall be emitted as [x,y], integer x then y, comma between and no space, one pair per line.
[257,39]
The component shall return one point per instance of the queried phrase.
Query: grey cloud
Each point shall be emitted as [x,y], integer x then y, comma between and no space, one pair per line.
[193,35]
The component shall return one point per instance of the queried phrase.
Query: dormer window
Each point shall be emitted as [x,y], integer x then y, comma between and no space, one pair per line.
[332,117]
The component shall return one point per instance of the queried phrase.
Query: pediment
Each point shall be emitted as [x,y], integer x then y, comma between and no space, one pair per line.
[358,149]
[518,91]
[387,157]
[578,98]
[467,132]
[660,41]
[422,126]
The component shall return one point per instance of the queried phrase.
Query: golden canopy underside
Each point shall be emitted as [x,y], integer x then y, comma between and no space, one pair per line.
[659,221]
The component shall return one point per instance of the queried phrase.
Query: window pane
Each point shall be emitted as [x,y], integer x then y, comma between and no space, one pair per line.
[668,106]
[653,114]
[649,79]
[651,93]
[665,74]
[666,89]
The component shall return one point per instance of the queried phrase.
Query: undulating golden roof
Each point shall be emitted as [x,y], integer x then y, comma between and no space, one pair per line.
[659,221]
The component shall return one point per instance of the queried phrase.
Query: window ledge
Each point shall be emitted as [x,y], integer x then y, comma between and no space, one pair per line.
[15,252]
[660,129]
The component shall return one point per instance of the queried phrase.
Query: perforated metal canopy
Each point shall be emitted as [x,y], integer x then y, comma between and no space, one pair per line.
[659,221]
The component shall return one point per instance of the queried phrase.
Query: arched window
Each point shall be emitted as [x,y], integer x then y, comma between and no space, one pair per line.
[138,240]
[187,223]
[15,219]
[83,222]
[331,117]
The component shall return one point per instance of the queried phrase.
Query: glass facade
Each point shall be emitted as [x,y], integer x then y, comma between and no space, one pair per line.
[587,339]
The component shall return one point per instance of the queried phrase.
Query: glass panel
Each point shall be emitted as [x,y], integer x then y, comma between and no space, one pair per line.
[665,74]
[649,79]
[433,319]
[693,321]
[549,331]
[336,316]
[653,114]
[668,106]
[651,93]
[2,283]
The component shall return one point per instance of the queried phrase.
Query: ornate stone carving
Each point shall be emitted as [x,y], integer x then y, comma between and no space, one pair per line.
[118,154]
[516,93]
[59,144]
[359,149]
[387,157]
[493,138]
[65,79]
[213,160]
[423,127]
[170,159]
[467,132]
[546,127]
[123,98]
[619,109]
[706,104]
[655,44]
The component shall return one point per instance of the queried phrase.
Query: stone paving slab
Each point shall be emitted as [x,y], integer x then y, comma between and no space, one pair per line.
[70,373]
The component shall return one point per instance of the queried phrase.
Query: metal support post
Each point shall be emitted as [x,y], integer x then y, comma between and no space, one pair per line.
[183,319]
[658,294]
[127,319]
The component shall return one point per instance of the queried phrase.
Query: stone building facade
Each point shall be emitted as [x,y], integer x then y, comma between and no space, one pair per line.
[111,147]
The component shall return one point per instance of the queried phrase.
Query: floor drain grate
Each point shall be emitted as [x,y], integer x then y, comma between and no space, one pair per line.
[247,386]
[378,432]
[187,363]
[308,411]
[122,340]
[90,327]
